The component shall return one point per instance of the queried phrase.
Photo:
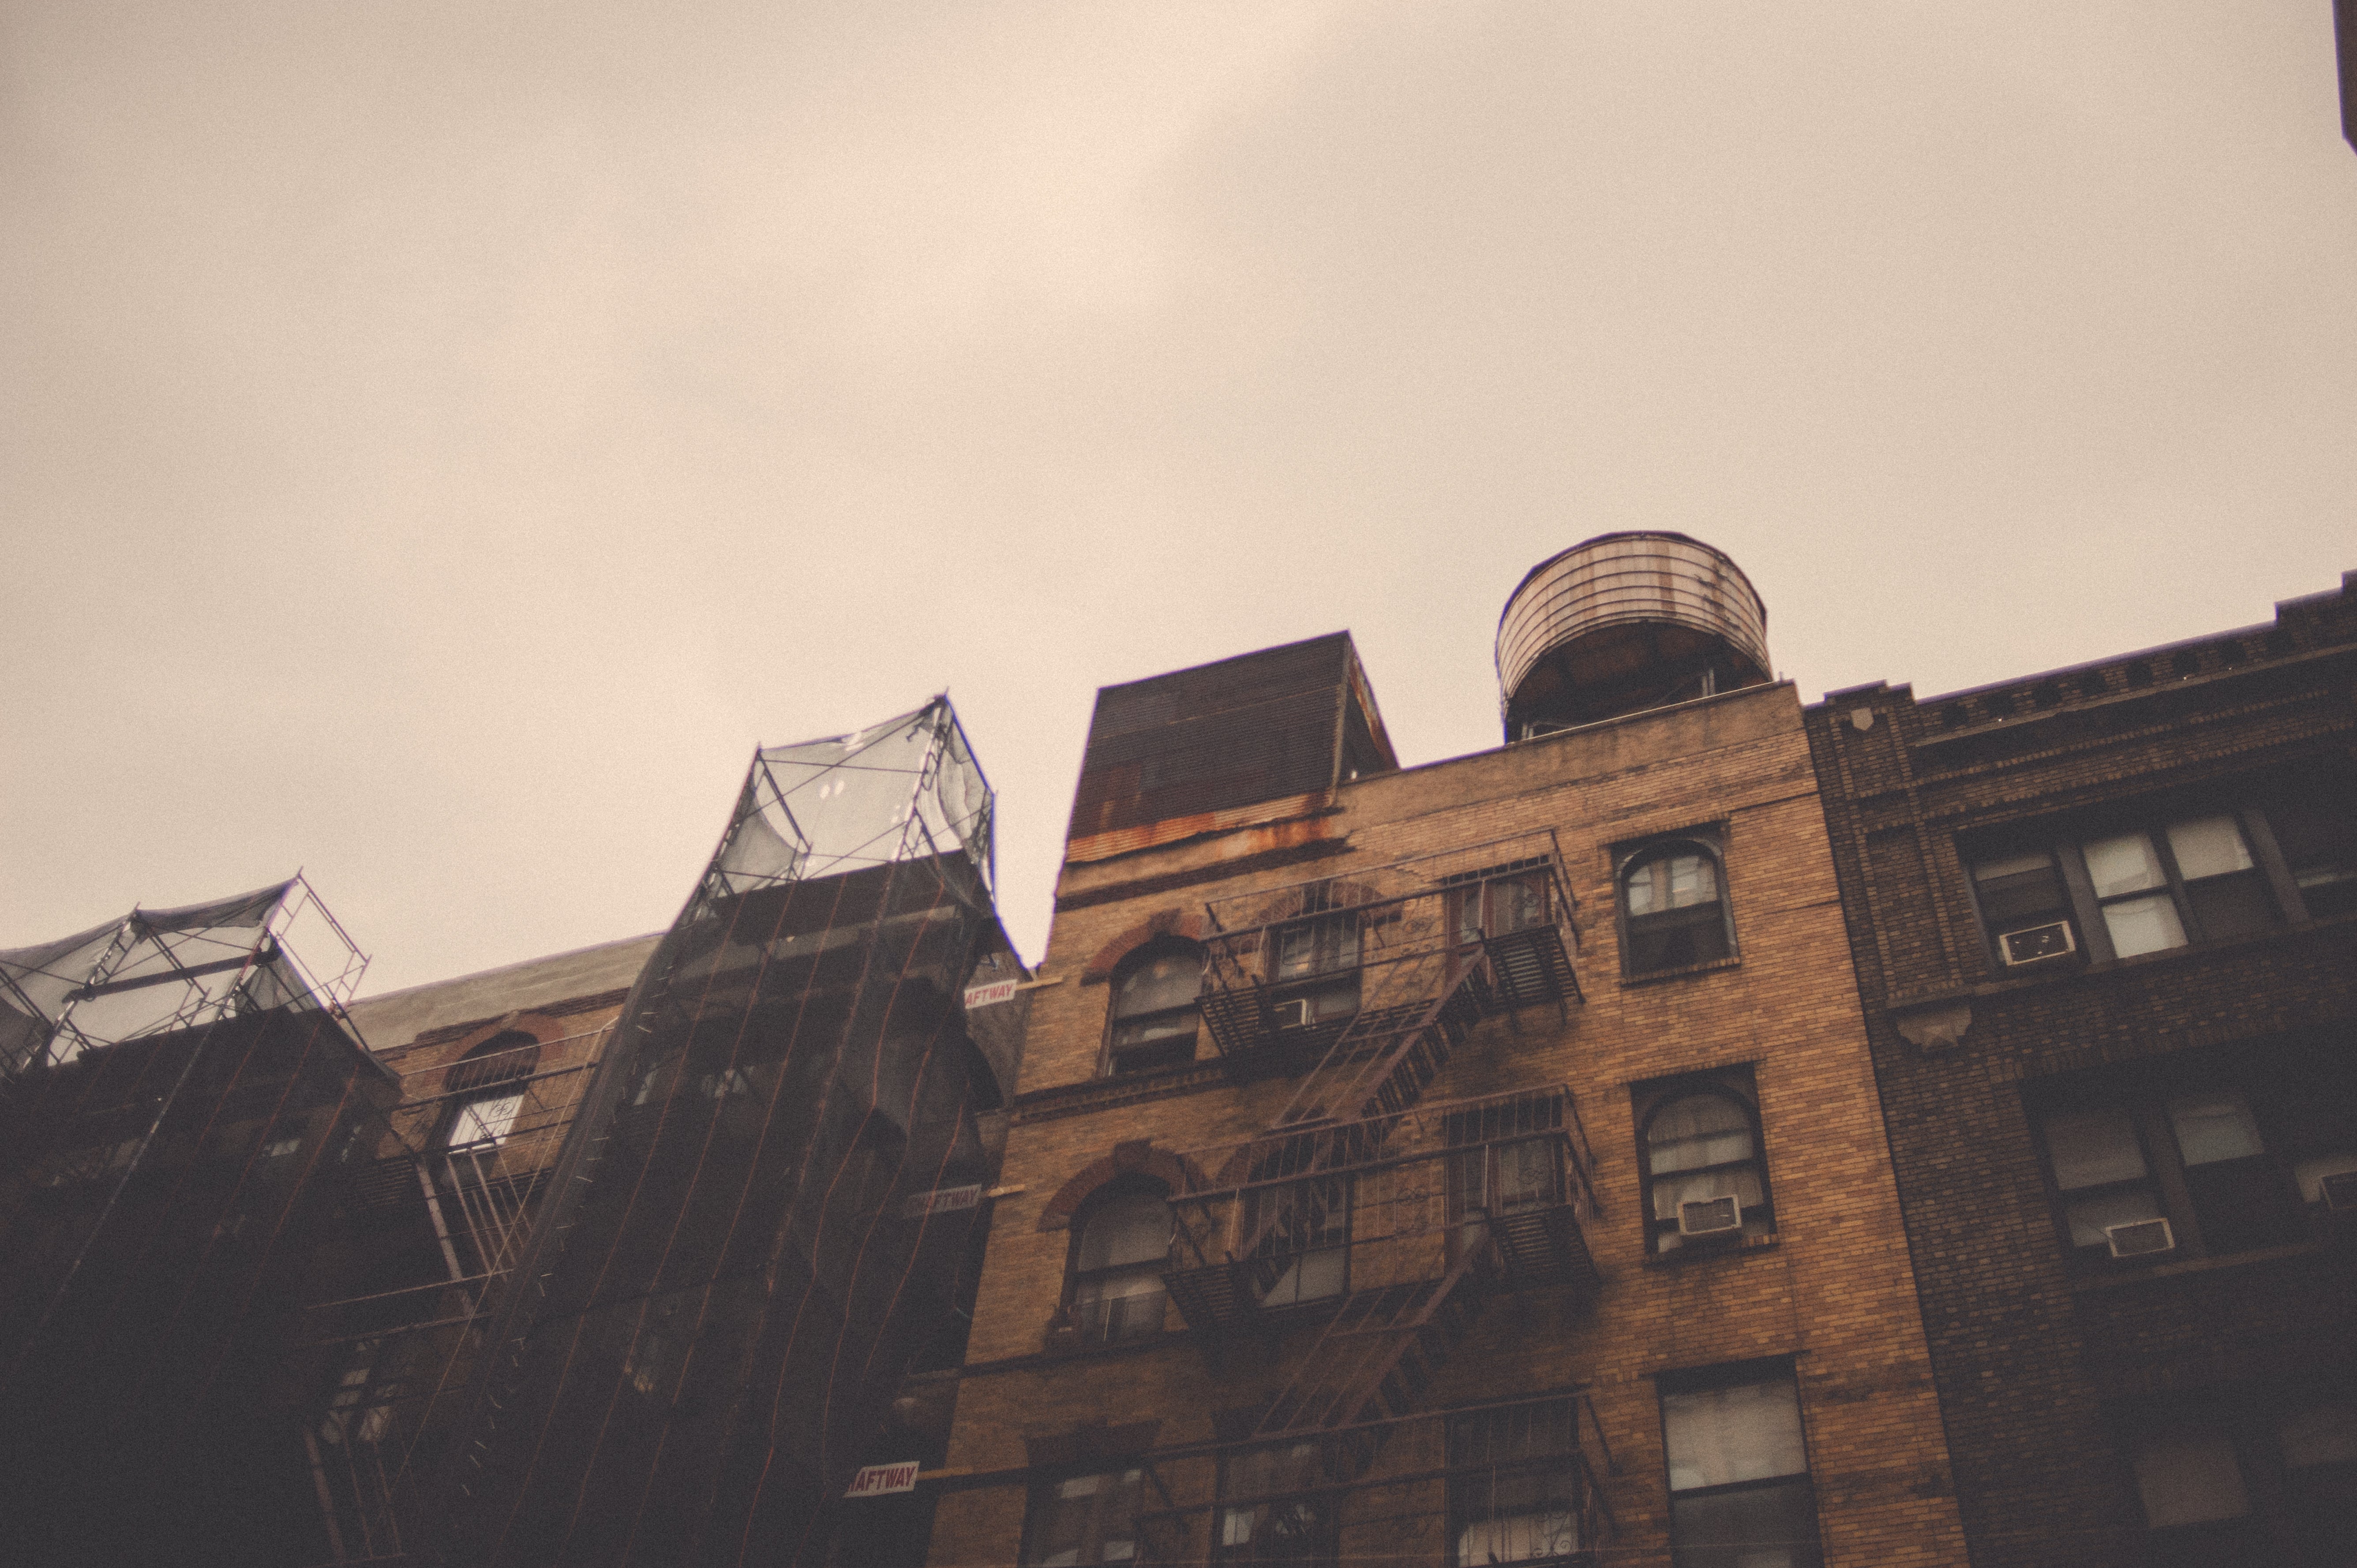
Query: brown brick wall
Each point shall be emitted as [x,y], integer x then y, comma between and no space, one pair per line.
[1833,1291]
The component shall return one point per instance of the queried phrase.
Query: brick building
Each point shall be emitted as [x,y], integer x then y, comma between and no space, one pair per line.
[2105,922]
[1467,1163]
[634,1253]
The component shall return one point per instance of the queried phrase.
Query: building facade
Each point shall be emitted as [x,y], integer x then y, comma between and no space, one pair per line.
[1464,1164]
[2104,920]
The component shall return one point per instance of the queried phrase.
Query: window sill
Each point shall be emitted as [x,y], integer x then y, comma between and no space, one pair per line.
[2063,973]
[2132,1274]
[1691,1253]
[1682,971]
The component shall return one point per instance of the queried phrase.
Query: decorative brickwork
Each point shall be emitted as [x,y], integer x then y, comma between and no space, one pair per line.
[2047,1362]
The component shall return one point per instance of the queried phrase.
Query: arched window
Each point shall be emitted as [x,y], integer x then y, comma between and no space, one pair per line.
[487,1084]
[1704,1177]
[1153,1006]
[1674,907]
[1120,1248]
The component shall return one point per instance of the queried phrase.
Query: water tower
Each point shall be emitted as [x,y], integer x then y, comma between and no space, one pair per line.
[1622,623]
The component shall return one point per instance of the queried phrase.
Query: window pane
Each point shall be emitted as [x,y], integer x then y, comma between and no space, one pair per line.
[2012,865]
[2088,1215]
[2208,846]
[1699,1129]
[1166,980]
[2144,925]
[1747,1433]
[1666,882]
[2231,906]
[1762,1527]
[2214,1126]
[483,1123]
[2012,898]
[2186,1473]
[2123,865]
[1134,1227]
[2091,1147]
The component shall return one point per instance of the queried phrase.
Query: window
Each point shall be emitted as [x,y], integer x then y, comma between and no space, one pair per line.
[484,1124]
[1119,1250]
[2191,1486]
[1272,1509]
[1084,1519]
[1501,902]
[1313,962]
[2239,1475]
[2317,1444]
[2319,841]
[1514,1485]
[1154,1006]
[489,1086]
[1304,1239]
[1673,908]
[1705,1180]
[2193,875]
[1739,1493]
[2231,1151]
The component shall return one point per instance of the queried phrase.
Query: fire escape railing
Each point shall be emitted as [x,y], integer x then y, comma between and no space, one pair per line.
[1512,1481]
[1396,1218]
[405,1351]
[1360,1215]
[1377,977]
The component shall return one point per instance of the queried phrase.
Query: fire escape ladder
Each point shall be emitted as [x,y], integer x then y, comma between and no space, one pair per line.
[1376,1358]
[1384,1059]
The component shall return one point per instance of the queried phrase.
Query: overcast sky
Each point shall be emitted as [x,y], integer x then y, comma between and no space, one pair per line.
[438,441]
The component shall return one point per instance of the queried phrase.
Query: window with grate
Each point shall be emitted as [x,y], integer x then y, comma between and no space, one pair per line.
[1083,1520]
[1514,1485]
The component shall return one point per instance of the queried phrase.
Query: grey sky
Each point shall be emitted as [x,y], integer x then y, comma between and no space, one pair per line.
[438,441]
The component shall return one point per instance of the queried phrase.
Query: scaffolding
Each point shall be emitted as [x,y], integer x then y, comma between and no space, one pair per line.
[445,1222]
[183,1106]
[734,1261]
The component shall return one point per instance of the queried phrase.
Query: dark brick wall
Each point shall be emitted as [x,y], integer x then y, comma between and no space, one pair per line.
[2035,1358]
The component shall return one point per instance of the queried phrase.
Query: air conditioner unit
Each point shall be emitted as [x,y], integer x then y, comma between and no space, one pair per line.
[1293,1014]
[2032,944]
[1710,1217]
[2140,1239]
[2341,1191]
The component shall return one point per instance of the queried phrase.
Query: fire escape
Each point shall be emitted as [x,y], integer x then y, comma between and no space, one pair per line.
[1392,1218]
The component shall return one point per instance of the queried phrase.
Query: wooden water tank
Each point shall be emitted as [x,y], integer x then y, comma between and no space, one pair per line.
[1622,623]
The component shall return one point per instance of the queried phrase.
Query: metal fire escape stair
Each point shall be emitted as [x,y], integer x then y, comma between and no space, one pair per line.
[1377,1355]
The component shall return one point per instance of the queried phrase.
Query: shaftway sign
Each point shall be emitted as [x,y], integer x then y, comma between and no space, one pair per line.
[878,1480]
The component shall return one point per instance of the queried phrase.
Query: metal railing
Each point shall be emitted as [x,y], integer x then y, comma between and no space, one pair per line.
[1352,1206]
[1511,1481]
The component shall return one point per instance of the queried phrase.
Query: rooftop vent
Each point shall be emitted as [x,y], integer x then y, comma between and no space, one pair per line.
[1623,623]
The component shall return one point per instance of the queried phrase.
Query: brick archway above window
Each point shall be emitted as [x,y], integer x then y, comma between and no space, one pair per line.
[1162,923]
[1137,1157]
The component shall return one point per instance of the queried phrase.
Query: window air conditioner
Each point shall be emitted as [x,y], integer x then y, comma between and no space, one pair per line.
[2032,943]
[2140,1239]
[2341,1191]
[1710,1217]
[1293,1014]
